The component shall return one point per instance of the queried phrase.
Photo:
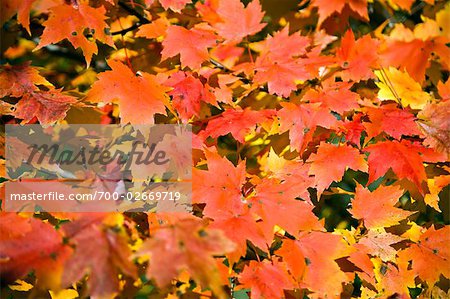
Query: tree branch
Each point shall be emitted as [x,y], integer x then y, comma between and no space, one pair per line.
[142,19]
[126,30]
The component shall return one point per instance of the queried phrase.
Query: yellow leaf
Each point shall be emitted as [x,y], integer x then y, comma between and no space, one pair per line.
[273,162]
[397,85]
[277,229]
[21,286]
[64,294]
[367,293]
[443,20]
[414,232]
[435,185]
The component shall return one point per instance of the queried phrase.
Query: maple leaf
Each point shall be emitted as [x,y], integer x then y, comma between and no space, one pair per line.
[275,203]
[186,245]
[301,121]
[22,8]
[6,108]
[157,28]
[404,160]
[238,122]
[361,259]
[280,77]
[208,10]
[241,228]
[400,52]
[139,96]
[273,164]
[399,86]
[330,163]
[175,5]
[377,208]
[195,41]
[219,186]
[293,256]
[335,96]
[357,57]
[444,89]
[223,93]
[435,123]
[404,4]
[76,19]
[237,21]
[187,94]
[16,80]
[293,174]
[431,249]
[392,120]
[393,279]
[320,250]
[47,106]
[278,64]
[265,279]
[327,8]
[404,43]
[436,185]
[99,251]
[378,243]
[18,152]
[353,129]
[283,46]
[28,244]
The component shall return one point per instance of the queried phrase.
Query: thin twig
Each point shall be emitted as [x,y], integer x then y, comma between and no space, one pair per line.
[142,19]
[126,30]
[391,86]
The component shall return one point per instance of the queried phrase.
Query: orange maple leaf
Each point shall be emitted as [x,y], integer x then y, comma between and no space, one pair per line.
[275,202]
[139,96]
[265,279]
[320,250]
[47,106]
[403,158]
[330,163]
[328,7]
[28,244]
[238,122]
[302,120]
[278,63]
[155,29]
[70,22]
[357,57]
[219,186]
[241,228]
[377,208]
[192,44]
[430,256]
[98,251]
[21,7]
[187,94]
[422,43]
[238,21]
[392,120]
[175,5]
[335,96]
[16,80]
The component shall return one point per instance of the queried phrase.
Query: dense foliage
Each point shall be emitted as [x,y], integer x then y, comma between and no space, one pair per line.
[321,146]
